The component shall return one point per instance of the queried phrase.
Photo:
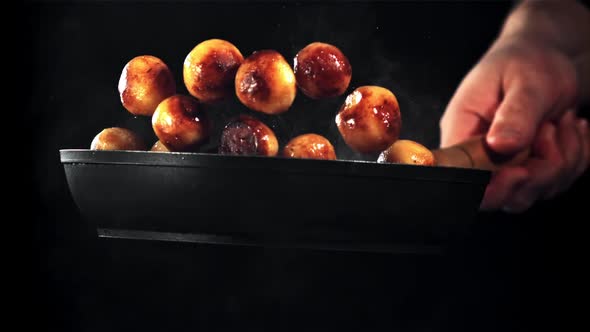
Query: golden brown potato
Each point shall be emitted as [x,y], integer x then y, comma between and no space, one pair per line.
[210,69]
[322,70]
[265,83]
[369,120]
[116,138]
[246,135]
[405,151]
[144,83]
[309,146]
[160,147]
[180,123]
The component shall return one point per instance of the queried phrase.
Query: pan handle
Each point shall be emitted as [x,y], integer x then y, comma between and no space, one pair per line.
[475,153]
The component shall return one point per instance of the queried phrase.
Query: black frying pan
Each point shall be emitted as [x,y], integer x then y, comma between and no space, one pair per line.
[273,201]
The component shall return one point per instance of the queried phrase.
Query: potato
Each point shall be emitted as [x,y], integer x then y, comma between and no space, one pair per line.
[246,135]
[407,152]
[144,83]
[309,146]
[370,119]
[160,147]
[117,138]
[210,69]
[180,123]
[265,83]
[322,70]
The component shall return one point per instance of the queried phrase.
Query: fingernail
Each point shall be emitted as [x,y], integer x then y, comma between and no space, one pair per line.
[505,134]
[508,133]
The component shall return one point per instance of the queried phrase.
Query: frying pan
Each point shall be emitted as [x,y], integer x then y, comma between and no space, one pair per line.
[275,201]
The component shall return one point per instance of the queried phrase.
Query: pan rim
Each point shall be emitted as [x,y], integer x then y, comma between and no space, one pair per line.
[356,168]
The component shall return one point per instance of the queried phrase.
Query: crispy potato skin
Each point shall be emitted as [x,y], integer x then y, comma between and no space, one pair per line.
[370,119]
[265,82]
[309,146]
[210,68]
[246,135]
[180,123]
[117,138]
[160,147]
[322,71]
[407,152]
[144,82]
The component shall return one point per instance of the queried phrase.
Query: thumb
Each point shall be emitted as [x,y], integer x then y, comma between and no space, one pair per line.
[516,121]
[471,108]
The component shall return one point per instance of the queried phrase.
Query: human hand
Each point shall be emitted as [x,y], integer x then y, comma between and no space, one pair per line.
[521,95]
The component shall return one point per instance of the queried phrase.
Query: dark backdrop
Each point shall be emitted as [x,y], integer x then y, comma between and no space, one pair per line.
[512,274]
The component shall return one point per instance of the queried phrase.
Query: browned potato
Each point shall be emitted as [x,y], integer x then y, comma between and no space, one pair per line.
[160,147]
[116,138]
[405,151]
[265,83]
[322,70]
[309,146]
[144,83]
[210,69]
[369,120]
[180,123]
[246,135]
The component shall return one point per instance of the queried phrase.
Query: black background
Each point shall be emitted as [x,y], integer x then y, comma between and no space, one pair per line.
[514,273]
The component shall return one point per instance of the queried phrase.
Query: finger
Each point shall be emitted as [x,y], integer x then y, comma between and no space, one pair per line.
[503,183]
[541,179]
[570,144]
[544,169]
[459,125]
[516,122]
[471,109]
[534,189]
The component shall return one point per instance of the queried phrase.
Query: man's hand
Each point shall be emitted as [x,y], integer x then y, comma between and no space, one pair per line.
[522,94]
